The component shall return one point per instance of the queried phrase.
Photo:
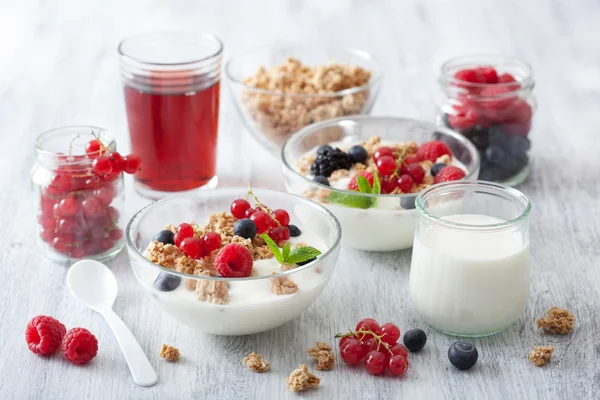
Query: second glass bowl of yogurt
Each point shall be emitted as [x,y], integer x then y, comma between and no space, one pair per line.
[372,222]
[269,297]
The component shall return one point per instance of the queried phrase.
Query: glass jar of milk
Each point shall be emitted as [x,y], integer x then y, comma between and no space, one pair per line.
[470,263]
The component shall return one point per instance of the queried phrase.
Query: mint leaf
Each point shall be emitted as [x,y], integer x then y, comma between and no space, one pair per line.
[350,200]
[376,184]
[363,184]
[273,247]
[303,253]
[286,251]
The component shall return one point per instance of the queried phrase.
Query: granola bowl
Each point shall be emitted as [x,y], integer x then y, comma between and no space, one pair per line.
[371,221]
[279,91]
[196,294]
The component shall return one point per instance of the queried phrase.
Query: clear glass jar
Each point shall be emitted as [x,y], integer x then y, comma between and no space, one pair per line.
[496,116]
[77,212]
[470,263]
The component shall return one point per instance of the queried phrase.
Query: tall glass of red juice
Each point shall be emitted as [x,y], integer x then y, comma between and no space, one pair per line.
[171,83]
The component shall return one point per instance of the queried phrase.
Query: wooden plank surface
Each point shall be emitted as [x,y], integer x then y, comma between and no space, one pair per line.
[58,65]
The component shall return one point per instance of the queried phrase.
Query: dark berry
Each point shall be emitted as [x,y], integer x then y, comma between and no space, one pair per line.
[497,136]
[306,262]
[321,179]
[294,231]
[329,160]
[495,155]
[324,148]
[490,172]
[165,237]
[518,145]
[408,202]
[481,141]
[167,282]
[437,167]
[357,154]
[415,339]
[463,355]
[245,228]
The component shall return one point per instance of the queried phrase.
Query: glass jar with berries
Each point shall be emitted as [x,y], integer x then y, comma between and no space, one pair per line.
[78,192]
[490,100]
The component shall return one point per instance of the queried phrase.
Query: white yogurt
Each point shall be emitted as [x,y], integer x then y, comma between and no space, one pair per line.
[252,306]
[468,282]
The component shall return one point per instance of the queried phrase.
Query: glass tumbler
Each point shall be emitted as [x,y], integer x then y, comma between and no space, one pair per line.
[470,264]
[172,82]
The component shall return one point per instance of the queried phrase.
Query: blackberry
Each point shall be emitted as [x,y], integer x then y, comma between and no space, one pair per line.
[329,160]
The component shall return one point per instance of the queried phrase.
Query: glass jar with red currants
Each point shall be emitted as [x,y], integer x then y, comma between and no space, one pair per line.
[489,99]
[78,192]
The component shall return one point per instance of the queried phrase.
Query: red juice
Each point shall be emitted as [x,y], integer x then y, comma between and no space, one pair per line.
[175,134]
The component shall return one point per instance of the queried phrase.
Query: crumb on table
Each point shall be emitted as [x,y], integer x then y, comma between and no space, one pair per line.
[169,353]
[323,354]
[540,355]
[302,379]
[557,321]
[256,362]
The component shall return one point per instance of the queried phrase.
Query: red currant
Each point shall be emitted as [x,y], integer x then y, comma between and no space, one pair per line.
[78,252]
[67,207]
[60,183]
[405,183]
[375,362]
[388,184]
[191,246]
[132,162]
[416,172]
[262,221]
[386,165]
[92,208]
[352,352]
[390,332]
[185,230]
[102,166]
[345,339]
[249,212]
[398,365]
[368,324]
[239,207]
[282,216]
[116,234]
[47,221]
[399,349]
[118,163]
[285,233]
[92,148]
[383,151]
[370,345]
[211,241]
[47,235]
[105,194]
[61,244]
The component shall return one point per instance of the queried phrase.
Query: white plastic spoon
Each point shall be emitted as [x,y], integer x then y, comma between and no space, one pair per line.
[95,286]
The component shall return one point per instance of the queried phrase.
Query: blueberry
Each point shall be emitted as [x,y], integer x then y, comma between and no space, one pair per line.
[463,355]
[165,237]
[481,142]
[415,339]
[301,263]
[515,164]
[324,148]
[357,154]
[408,202]
[436,168]
[321,179]
[518,145]
[495,155]
[245,228]
[294,230]
[498,137]
[167,282]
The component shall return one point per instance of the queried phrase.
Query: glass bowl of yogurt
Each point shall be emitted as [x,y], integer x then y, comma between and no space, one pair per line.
[191,291]
[375,221]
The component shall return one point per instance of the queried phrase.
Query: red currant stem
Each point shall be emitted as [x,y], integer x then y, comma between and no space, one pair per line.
[103,148]
[261,205]
[71,143]
[366,332]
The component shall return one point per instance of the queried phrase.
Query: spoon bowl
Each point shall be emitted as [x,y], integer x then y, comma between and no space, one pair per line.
[92,283]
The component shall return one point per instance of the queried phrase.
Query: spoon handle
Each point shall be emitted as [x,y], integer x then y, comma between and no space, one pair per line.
[141,369]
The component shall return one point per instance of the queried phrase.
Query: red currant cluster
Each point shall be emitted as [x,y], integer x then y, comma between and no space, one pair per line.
[273,222]
[78,217]
[377,345]
[195,247]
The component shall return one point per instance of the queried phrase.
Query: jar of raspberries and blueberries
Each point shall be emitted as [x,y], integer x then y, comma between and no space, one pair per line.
[489,99]
[77,184]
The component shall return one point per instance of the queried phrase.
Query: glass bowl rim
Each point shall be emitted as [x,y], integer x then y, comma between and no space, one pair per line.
[517,194]
[376,77]
[205,193]
[357,118]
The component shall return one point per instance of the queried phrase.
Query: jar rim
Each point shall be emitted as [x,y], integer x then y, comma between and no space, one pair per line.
[442,187]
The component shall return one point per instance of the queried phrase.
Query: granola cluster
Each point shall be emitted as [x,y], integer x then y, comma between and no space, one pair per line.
[302,379]
[280,114]
[557,321]
[169,353]
[323,354]
[255,362]
[540,355]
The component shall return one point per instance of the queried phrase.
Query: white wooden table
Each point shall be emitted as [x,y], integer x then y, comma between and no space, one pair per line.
[58,66]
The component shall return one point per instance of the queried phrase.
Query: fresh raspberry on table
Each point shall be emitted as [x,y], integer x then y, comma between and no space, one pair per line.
[353,185]
[44,334]
[432,150]
[449,173]
[79,346]
[233,261]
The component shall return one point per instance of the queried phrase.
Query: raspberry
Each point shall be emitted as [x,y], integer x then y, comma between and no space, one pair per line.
[449,173]
[353,185]
[432,150]
[79,346]
[486,75]
[466,75]
[508,78]
[498,97]
[44,334]
[233,261]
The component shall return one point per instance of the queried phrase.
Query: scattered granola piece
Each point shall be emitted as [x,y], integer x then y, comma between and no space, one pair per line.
[557,321]
[302,379]
[255,362]
[540,355]
[186,265]
[284,285]
[169,353]
[165,255]
[323,354]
